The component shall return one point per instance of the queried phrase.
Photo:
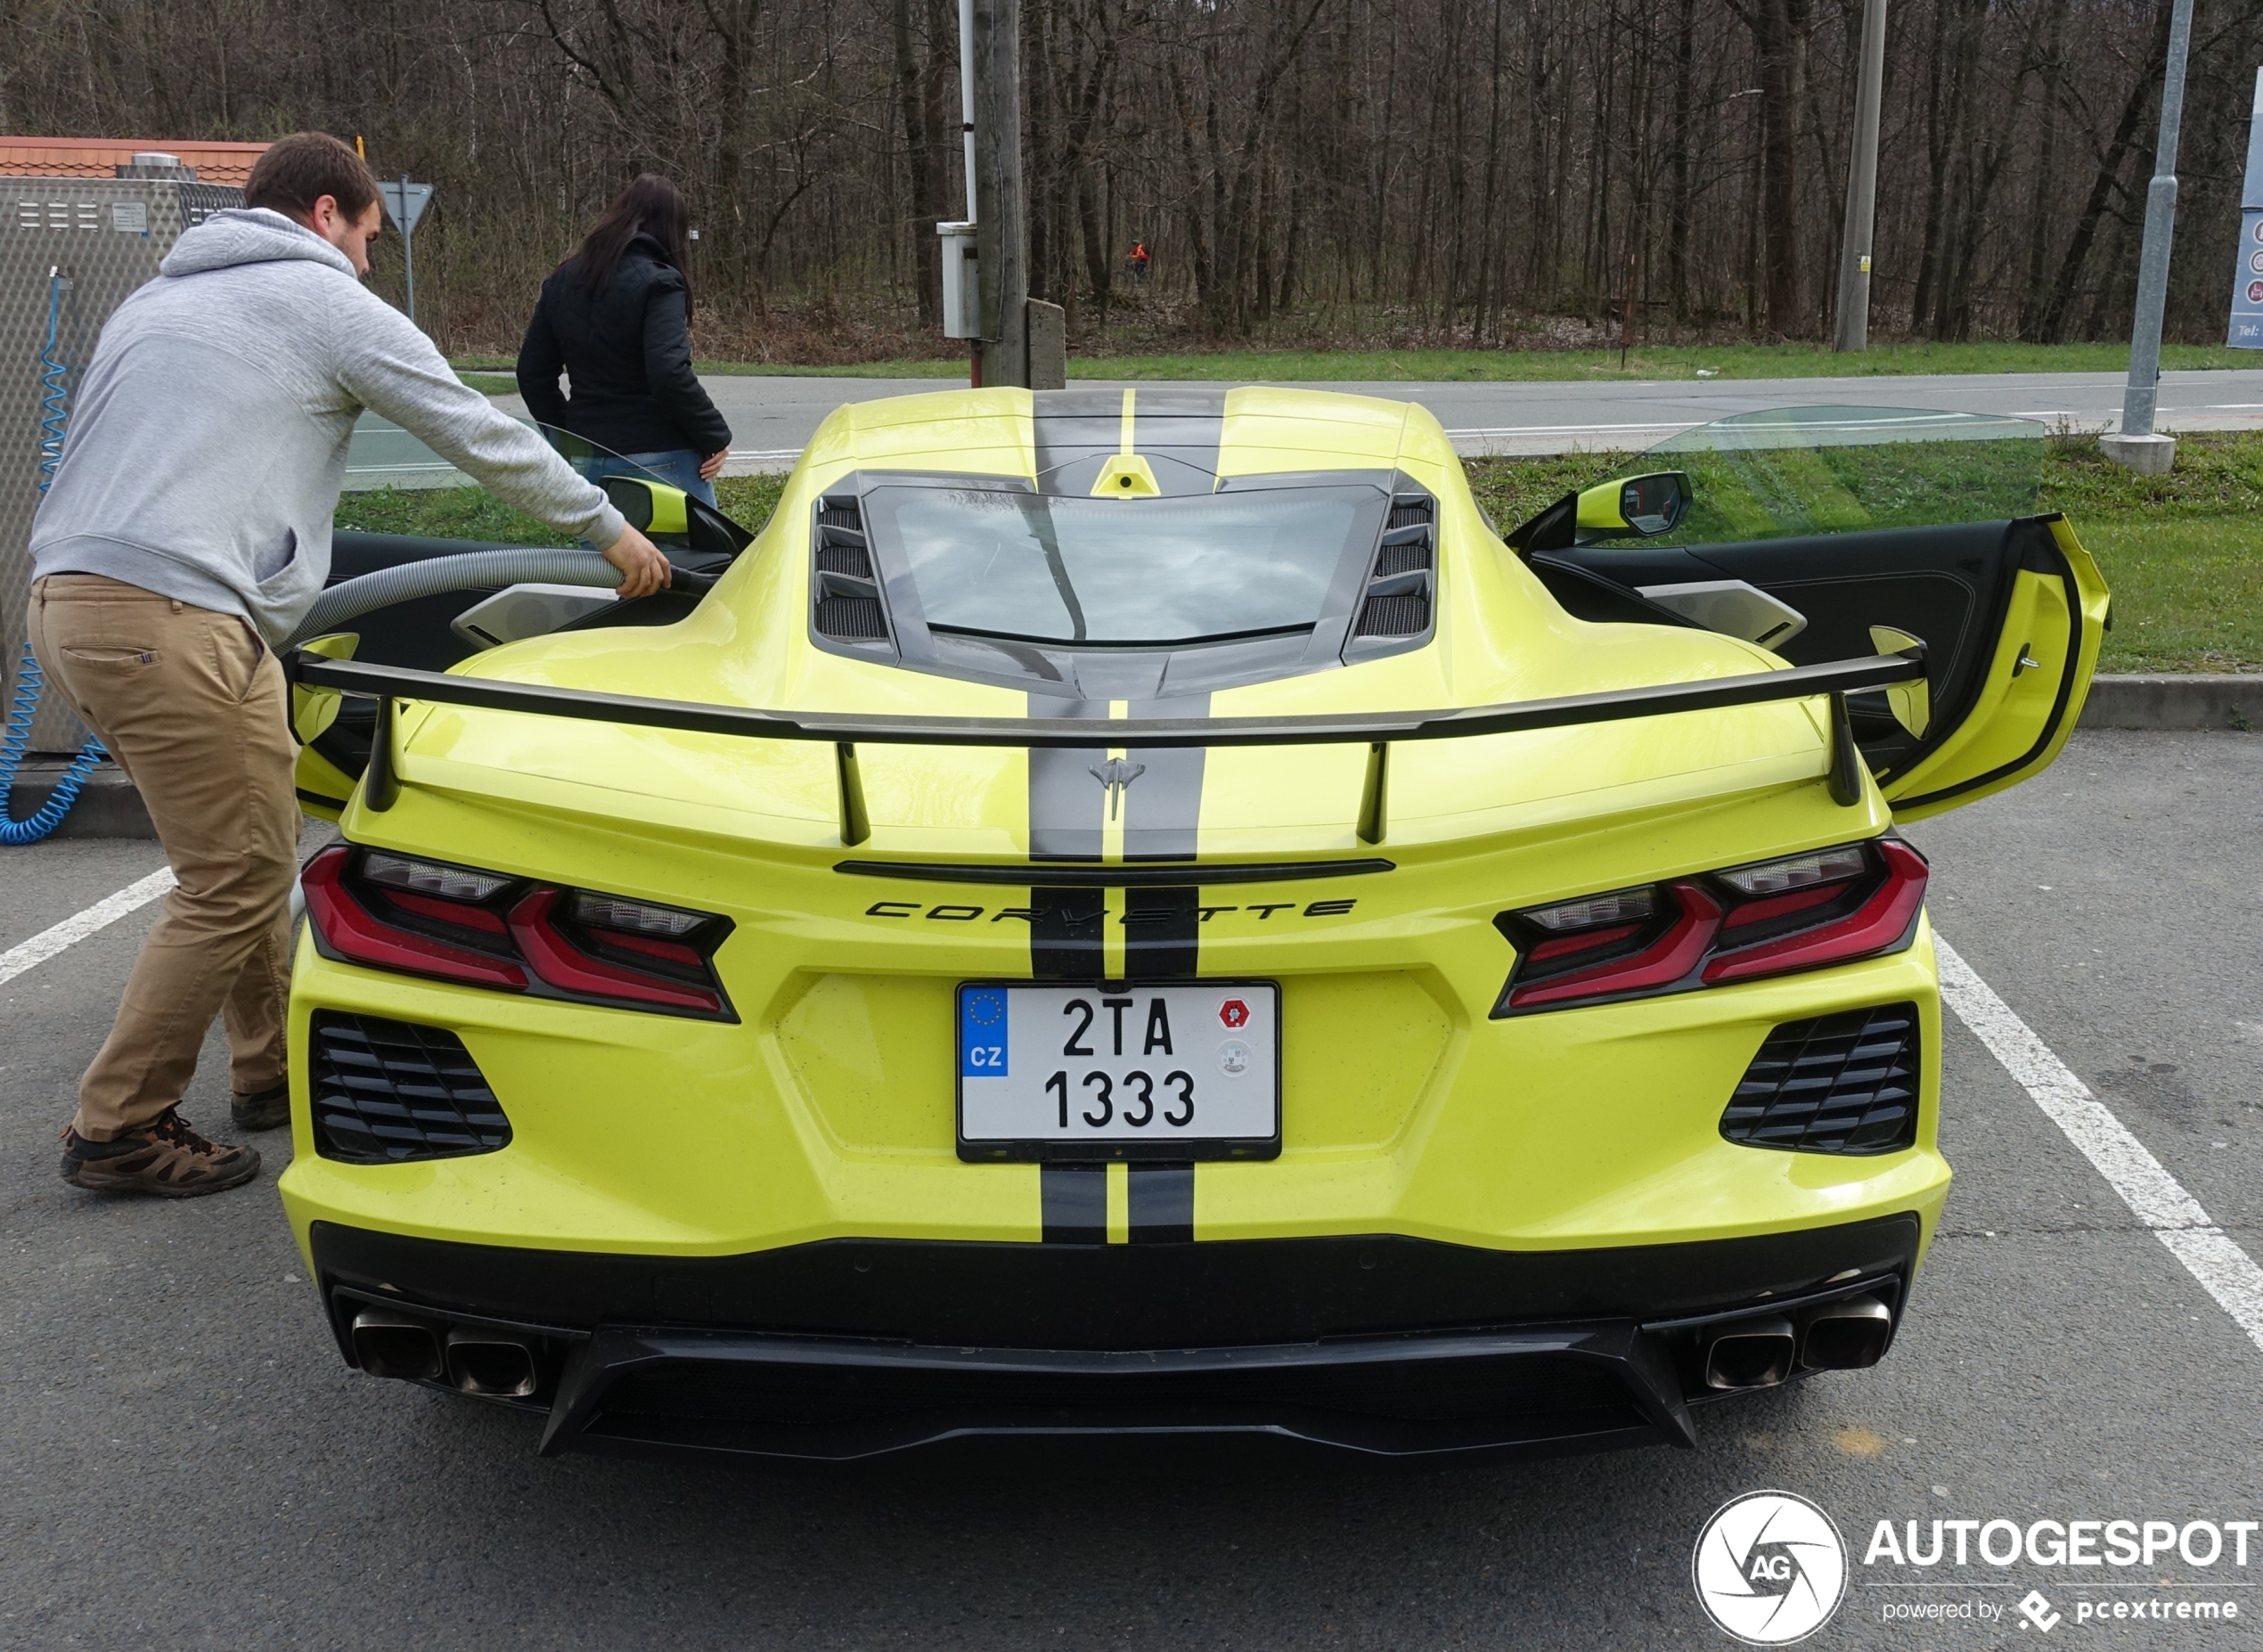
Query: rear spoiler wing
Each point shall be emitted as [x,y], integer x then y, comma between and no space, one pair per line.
[844,731]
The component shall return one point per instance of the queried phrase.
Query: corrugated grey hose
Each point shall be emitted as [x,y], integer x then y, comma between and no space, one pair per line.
[435,576]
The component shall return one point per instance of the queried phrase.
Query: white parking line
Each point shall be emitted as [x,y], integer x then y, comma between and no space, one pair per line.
[79,925]
[2155,1196]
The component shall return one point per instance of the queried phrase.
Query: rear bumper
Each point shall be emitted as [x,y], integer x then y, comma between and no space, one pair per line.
[1380,1343]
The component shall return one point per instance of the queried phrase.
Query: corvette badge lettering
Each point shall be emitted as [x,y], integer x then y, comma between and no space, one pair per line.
[949,912]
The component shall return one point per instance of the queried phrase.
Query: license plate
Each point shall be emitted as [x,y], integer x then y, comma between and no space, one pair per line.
[1178,1072]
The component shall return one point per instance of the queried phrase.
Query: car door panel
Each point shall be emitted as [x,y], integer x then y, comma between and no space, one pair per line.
[1981,596]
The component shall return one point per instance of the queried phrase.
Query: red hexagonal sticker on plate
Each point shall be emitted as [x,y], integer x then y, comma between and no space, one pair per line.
[1234,1013]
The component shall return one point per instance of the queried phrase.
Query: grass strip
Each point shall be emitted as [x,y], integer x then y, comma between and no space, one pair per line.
[2183,552]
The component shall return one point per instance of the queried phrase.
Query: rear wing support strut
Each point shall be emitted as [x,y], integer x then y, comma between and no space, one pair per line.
[1835,679]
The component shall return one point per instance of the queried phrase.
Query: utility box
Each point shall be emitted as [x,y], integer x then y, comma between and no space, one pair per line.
[961,284]
[70,248]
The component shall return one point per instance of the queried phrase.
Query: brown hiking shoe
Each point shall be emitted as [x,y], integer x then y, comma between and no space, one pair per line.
[164,1157]
[262,1110]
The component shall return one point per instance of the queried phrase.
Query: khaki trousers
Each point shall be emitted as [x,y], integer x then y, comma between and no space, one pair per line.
[193,706]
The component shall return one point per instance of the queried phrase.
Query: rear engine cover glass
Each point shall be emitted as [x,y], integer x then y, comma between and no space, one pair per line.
[1123,571]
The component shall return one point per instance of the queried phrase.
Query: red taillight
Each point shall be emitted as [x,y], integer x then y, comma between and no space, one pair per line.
[349,931]
[1669,957]
[571,970]
[486,930]
[1801,912]
[1881,921]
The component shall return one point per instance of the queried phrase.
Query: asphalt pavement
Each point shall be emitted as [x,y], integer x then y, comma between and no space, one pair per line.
[185,1462]
[772,418]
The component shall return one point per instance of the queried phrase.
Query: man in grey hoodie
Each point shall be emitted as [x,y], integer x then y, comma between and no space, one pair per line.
[186,533]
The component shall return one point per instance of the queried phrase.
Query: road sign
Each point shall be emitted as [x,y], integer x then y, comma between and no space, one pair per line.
[2247,280]
[405,203]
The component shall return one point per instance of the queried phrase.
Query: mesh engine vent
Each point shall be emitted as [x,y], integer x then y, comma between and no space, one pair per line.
[851,617]
[1408,513]
[1400,560]
[1841,1084]
[853,561]
[848,607]
[1393,616]
[389,1091]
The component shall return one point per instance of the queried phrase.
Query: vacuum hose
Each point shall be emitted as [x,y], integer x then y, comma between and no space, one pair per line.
[24,706]
[351,599]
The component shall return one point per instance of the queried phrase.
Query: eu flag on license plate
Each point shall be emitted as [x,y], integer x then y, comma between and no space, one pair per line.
[982,1032]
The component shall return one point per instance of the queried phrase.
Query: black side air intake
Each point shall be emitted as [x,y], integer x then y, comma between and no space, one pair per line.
[846,604]
[1840,1084]
[1395,608]
[384,1091]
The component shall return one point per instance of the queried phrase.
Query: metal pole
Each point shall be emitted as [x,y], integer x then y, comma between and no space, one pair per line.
[2161,226]
[966,142]
[1001,231]
[408,245]
[1853,330]
[966,96]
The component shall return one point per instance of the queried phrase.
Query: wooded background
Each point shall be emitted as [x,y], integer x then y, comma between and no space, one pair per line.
[1488,172]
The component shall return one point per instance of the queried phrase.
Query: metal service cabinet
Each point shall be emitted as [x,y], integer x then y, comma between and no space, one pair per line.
[70,247]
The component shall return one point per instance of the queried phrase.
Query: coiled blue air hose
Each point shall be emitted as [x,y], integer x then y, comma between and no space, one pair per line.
[22,706]
[54,405]
[54,415]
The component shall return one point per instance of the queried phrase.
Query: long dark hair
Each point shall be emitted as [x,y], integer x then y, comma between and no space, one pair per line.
[651,206]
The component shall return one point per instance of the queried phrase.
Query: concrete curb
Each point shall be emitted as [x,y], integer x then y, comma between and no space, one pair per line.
[110,807]
[2188,703]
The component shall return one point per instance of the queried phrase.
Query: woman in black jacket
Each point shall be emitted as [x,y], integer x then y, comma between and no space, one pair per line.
[616,318]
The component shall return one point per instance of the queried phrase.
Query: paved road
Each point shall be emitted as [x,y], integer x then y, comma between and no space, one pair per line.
[772,418]
[184,1463]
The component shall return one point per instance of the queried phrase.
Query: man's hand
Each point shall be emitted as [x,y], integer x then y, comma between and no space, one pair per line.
[643,569]
[711,467]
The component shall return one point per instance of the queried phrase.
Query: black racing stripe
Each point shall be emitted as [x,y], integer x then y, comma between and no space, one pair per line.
[1068,804]
[1076,1199]
[1179,432]
[1074,432]
[1066,933]
[1161,1204]
[1162,808]
[1162,933]
[1065,945]
[1163,941]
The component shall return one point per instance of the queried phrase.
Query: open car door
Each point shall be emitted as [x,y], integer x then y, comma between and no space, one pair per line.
[1827,533]
[432,633]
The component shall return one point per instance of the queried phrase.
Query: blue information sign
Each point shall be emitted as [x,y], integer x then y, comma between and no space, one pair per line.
[2247,284]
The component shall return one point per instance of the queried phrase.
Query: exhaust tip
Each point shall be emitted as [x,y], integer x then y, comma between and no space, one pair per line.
[1845,1335]
[480,1363]
[393,1345]
[1751,1354]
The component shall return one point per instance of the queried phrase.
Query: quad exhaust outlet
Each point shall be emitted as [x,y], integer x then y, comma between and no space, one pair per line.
[1751,1354]
[1845,1335]
[1767,1349]
[393,1345]
[475,1360]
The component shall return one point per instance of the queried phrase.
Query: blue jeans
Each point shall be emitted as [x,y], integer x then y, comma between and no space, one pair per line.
[678,467]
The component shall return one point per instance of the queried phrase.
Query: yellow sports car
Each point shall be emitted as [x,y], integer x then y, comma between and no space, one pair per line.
[1140,910]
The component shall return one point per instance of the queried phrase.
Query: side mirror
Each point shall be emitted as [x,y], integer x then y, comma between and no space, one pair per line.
[651,508]
[1634,506]
[1639,505]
